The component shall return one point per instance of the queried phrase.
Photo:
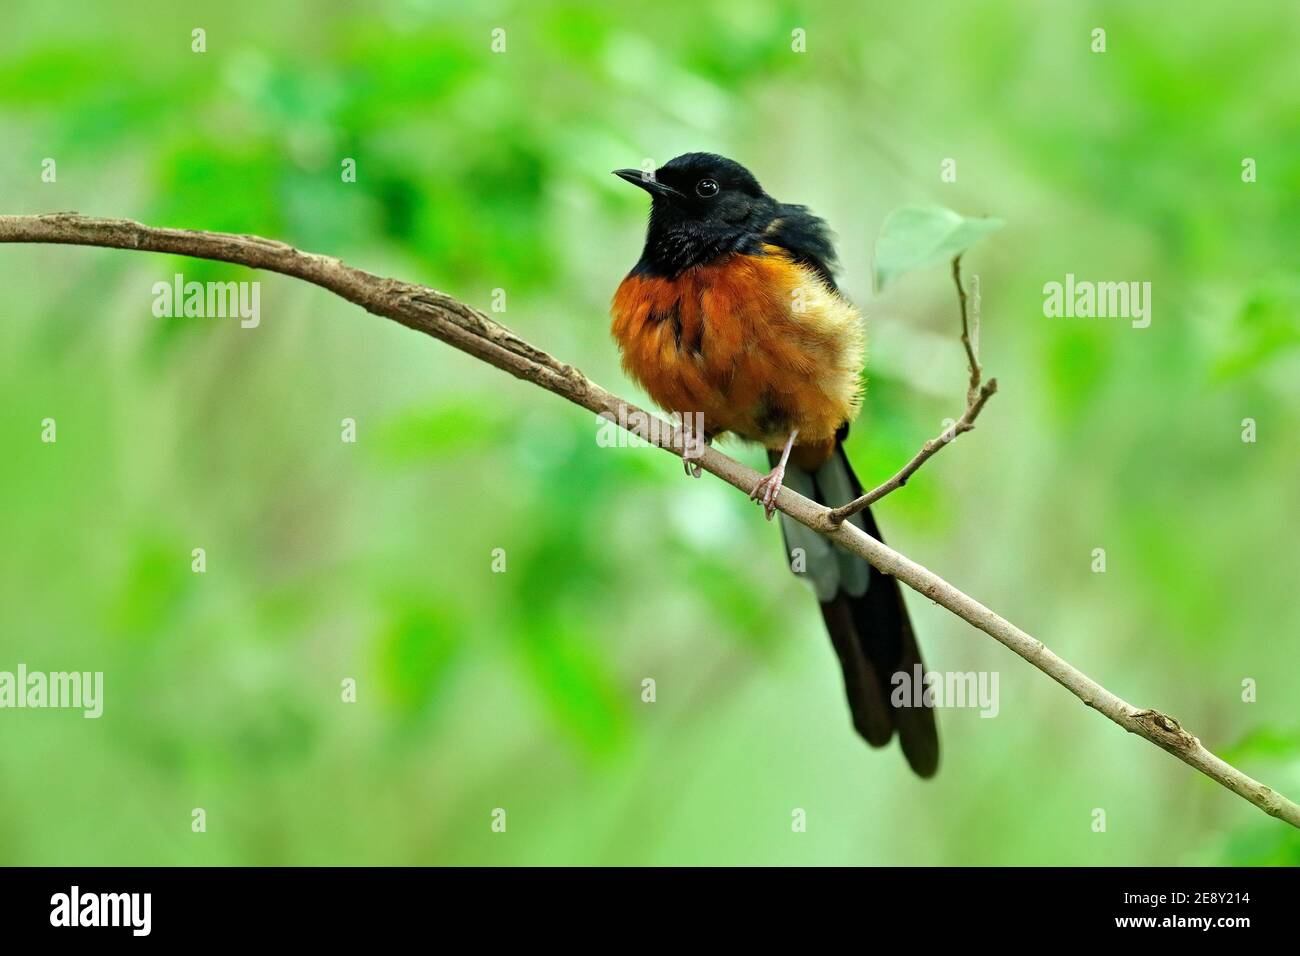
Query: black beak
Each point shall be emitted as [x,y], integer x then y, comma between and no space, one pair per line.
[646,181]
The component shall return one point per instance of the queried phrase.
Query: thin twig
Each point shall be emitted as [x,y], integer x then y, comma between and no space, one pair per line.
[975,317]
[469,330]
[928,450]
[976,371]
[976,396]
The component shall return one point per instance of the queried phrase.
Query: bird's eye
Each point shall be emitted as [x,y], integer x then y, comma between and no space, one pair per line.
[706,188]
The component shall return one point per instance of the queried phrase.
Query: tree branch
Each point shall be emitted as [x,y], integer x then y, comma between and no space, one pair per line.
[467,329]
[976,397]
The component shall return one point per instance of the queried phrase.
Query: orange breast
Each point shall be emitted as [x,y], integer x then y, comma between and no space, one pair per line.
[757,344]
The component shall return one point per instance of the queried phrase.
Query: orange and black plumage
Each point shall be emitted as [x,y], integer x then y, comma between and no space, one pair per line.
[732,314]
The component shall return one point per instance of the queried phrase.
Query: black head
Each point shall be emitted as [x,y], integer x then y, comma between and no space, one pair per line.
[702,206]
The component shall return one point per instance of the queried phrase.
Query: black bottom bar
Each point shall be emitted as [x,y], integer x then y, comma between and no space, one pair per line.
[333,906]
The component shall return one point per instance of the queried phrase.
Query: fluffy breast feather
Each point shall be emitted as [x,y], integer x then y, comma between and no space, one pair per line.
[759,344]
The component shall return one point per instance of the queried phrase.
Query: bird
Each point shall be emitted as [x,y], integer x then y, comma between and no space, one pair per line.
[732,319]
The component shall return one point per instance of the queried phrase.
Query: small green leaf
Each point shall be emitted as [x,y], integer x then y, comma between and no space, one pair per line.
[915,237]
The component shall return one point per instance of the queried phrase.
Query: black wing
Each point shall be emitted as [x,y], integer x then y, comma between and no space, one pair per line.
[807,238]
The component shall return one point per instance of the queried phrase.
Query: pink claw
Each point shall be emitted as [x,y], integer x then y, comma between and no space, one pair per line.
[771,482]
[768,488]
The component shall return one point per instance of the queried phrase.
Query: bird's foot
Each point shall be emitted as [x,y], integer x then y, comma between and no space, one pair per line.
[692,448]
[768,487]
[692,470]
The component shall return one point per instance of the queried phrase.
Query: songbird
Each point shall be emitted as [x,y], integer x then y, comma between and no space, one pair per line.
[732,313]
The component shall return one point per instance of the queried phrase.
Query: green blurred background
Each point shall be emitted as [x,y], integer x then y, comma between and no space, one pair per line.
[522,690]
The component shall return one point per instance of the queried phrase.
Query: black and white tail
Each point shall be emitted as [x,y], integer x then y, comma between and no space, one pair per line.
[866,618]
